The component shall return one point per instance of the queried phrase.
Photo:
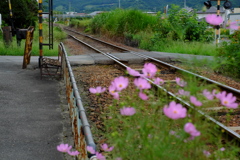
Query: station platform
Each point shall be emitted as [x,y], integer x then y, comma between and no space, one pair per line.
[30,115]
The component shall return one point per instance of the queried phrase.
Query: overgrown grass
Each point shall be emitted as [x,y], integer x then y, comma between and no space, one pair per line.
[146,40]
[195,48]
[144,31]
[14,50]
[119,22]
[83,23]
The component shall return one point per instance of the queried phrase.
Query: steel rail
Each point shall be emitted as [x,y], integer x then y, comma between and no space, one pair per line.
[115,46]
[228,88]
[80,126]
[233,133]
[89,46]
[236,135]
[225,87]
[114,58]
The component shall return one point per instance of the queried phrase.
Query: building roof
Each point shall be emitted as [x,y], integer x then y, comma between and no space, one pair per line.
[212,10]
[188,9]
[95,13]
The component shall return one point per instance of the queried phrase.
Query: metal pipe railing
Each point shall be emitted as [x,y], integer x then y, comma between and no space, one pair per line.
[80,126]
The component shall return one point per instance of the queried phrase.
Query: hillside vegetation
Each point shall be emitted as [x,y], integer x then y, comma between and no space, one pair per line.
[146,5]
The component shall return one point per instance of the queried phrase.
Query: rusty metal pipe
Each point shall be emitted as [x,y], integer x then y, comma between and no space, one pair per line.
[82,114]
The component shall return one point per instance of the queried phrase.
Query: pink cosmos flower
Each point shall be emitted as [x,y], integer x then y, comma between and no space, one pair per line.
[133,72]
[142,83]
[97,90]
[213,19]
[91,150]
[150,136]
[184,93]
[206,153]
[175,111]
[63,148]
[149,70]
[158,81]
[222,149]
[172,132]
[227,100]
[120,83]
[113,92]
[190,128]
[106,148]
[127,111]
[73,153]
[180,82]
[143,96]
[100,156]
[233,25]
[214,92]
[194,101]
[208,94]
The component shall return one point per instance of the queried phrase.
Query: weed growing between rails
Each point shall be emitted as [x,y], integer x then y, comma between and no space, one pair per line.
[143,123]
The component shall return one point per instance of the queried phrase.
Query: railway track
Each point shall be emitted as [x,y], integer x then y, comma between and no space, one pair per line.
[210,113]
[100,47]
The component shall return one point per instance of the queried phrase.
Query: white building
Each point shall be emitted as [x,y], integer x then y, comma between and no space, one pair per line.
[236,10]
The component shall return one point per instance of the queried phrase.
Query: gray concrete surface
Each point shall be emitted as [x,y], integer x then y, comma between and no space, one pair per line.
[101,59]
[30,117]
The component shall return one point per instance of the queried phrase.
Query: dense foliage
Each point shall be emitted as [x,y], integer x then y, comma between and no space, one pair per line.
[24,12]
[229,56]
[146,5]
[120,22]
[152,32]
[183,25]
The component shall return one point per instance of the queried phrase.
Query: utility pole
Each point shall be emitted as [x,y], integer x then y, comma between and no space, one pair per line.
[218,26]
[69,6]
[185,6]
[11,18]
[227,5]
[119,3]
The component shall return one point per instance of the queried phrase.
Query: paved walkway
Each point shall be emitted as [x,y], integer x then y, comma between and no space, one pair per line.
[30,117]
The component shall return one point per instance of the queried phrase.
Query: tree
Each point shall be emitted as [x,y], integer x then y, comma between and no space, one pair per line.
[24,12]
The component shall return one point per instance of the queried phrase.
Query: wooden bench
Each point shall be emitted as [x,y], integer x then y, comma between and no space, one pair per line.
[50,66]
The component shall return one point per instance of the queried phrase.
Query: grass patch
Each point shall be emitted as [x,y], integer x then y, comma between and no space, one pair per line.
[14,50]
[195,48]
[119,22]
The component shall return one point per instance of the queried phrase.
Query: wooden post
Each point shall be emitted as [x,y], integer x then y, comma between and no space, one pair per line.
[28,47]
[7,35]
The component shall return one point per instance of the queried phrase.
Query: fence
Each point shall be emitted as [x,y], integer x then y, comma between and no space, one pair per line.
[80,126]
[28,47]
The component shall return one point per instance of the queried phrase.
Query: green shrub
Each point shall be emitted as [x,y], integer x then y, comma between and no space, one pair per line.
[182,25]
[228,56]
[208,35]
[118,22]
